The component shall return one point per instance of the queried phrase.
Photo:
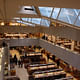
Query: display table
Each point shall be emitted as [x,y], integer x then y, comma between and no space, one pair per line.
[54,75]
[40,67]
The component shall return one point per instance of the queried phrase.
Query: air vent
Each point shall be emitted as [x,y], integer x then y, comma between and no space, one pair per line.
[29,9]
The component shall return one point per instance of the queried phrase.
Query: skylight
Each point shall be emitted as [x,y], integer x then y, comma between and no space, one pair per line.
[36,20]
[33,20]
[68,15]
[25,23]
[39,21]
[64,16]
[55,12]
[45,22]
[78,21]
[46,11]
[27,19]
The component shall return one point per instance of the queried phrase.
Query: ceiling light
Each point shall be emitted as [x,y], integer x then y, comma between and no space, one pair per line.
[2,23]
[29,9]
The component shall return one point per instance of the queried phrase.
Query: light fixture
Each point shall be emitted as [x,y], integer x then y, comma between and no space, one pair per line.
[29,9]
[2,23]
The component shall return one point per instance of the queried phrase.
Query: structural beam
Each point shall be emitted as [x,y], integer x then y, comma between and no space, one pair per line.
[38,11]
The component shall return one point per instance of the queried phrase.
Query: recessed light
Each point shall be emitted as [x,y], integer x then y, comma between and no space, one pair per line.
[29,9]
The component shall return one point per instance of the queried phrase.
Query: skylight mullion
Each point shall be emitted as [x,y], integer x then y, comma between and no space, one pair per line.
[68,19]
[52,12]
[51,15]
[59,13]
[75,11]
[20,21]
[40,21]
[31,20]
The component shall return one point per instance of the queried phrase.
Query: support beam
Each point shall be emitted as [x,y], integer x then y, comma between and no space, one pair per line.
[38,11]
[58,14]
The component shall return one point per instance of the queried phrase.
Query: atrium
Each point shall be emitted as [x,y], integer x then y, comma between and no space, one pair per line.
[39,40]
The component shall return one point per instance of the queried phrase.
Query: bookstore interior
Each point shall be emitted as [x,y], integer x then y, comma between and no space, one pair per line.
[40,41]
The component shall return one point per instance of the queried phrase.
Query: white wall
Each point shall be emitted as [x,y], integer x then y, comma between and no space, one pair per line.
[67,56]
[65,32]
[21,42]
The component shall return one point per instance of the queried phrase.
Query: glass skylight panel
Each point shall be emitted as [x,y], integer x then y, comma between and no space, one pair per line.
[55,13]
[16,18]
[19,21]
[36,20]
[72,14]
[28,24]
[25,23]
[64,15]
[27,19]
[45,11]
[33,20]
[77,10]
[78,21]
[24,19]
[27,10]
[68,15]
[45,22]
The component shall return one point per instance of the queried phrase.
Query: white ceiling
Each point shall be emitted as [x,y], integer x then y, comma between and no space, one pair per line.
[10,8]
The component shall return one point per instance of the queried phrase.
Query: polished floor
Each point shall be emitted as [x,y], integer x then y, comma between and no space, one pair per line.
[21,73]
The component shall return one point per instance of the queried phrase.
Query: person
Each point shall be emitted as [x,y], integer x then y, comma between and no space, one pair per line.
[43,37]
[53,57]
[47,56]
[4,44]
[58,63]
[19,62]
[15,59]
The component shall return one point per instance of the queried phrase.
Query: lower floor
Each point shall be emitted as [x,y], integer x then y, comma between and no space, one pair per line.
[36,64]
